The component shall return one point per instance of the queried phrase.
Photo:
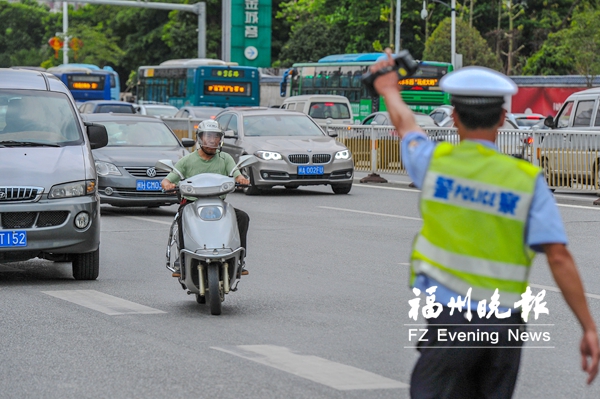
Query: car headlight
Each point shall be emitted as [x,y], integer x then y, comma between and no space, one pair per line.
[73,189]
[268,155]
[342,154]
[105,169]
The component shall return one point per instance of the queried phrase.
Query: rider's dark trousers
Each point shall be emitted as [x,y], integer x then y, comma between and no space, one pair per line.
[243,221]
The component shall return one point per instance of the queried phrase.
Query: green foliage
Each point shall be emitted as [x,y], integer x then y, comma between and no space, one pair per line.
[19,46]
[313,40]
[469,43]
[575,50]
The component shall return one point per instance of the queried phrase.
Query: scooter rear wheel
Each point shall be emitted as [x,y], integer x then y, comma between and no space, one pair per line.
[214,294]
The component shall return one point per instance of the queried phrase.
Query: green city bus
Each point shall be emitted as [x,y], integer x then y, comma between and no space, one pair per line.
[341,74]
[199,82]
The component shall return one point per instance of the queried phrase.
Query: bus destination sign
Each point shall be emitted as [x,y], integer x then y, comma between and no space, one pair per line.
[227,73]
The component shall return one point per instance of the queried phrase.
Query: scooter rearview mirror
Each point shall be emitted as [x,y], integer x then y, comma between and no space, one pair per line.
[167,165]
[244,161]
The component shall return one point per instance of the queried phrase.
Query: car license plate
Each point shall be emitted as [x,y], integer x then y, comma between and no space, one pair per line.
[15,238]
[148,185]
[310,170]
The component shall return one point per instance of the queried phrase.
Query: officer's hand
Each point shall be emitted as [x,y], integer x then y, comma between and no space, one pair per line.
[589,348]
[242,180]
[388,82]
[167,185]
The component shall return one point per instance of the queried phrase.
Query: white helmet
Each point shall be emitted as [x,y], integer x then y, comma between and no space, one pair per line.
[209,129]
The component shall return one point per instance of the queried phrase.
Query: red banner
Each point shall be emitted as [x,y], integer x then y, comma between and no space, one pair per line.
[541,100]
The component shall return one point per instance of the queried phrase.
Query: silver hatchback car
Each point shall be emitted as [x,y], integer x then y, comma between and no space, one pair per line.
[49,205]
[293,150]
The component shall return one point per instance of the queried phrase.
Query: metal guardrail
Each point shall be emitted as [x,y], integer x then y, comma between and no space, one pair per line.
[569,159]
[184,128]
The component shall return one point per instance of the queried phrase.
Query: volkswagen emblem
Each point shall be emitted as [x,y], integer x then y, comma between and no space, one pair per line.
[2,195]
[151,172]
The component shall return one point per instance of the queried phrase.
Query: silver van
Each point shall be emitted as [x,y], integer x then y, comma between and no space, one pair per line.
[573,157]
[323,108]
[49,205]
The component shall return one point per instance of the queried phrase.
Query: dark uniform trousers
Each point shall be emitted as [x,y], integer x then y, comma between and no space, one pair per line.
[478,369]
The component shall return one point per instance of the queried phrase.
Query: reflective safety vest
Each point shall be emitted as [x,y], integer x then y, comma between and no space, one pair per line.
[475,202]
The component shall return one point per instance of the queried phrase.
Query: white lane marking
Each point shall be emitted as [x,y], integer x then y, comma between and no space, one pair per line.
[4,268]
[556,289]
[595,208]
[370,213]
[108,304]
[149,220]
[335,375]
[412,190]
[418,191]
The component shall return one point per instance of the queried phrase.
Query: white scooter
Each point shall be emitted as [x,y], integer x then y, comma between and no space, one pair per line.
[209,260]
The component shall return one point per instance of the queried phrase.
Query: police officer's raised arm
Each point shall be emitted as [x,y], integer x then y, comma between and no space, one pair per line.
[387,85]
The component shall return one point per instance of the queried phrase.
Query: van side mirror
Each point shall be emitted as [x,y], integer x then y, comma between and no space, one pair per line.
[97,135]
[549,121]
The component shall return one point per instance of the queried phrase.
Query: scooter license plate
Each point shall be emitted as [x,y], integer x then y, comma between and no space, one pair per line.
[15,238]
[148,185]
[305,170]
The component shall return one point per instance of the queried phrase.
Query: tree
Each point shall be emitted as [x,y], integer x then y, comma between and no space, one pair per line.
[22,35]
[469,43]
[575,50]
[311,41]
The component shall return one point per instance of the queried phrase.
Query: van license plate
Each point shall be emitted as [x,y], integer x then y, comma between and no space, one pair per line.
[148,185]
[310,170]
[15,238]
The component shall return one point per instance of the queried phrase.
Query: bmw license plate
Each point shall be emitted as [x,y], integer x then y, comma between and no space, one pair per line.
[304,170]
[148,185]
[15,238]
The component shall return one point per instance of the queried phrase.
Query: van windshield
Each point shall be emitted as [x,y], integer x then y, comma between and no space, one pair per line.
[329,109]
[38,117]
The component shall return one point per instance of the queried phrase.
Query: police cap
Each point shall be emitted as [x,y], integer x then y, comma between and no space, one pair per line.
[477,85]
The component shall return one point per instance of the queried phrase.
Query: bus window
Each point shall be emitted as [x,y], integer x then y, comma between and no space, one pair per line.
[356,79]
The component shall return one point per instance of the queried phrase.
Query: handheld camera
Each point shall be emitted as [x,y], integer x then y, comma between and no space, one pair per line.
[404,64]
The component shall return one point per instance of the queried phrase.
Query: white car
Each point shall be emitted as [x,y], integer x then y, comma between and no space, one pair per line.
[156,110]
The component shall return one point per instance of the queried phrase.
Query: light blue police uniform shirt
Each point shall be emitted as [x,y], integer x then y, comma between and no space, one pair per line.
[544,224]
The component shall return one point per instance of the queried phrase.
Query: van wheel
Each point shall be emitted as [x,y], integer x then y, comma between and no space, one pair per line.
[86,266]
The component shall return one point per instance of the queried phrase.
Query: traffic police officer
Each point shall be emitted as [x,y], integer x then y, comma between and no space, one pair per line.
[485,215]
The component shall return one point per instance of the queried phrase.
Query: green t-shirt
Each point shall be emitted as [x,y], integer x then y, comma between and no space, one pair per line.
[193,164]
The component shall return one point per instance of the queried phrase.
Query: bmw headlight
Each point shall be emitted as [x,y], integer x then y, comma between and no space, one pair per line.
[105,169]
[73,189]
[209,213]
[268,155]
[342,154]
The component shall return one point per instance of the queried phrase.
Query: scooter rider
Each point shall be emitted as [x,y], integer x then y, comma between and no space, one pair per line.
[209,159]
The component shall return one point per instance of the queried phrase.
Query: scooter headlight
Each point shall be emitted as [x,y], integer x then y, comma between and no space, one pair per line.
[210,213]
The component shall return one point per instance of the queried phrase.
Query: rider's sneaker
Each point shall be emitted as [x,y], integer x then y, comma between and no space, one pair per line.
[177,267]
[245,271]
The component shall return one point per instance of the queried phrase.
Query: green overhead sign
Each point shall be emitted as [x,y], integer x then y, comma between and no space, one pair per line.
[251,32]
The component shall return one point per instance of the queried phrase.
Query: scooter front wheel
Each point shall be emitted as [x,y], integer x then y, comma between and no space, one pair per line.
[214,291]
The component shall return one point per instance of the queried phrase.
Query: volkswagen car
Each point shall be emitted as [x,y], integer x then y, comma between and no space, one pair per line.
[125,167]
[293,150]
